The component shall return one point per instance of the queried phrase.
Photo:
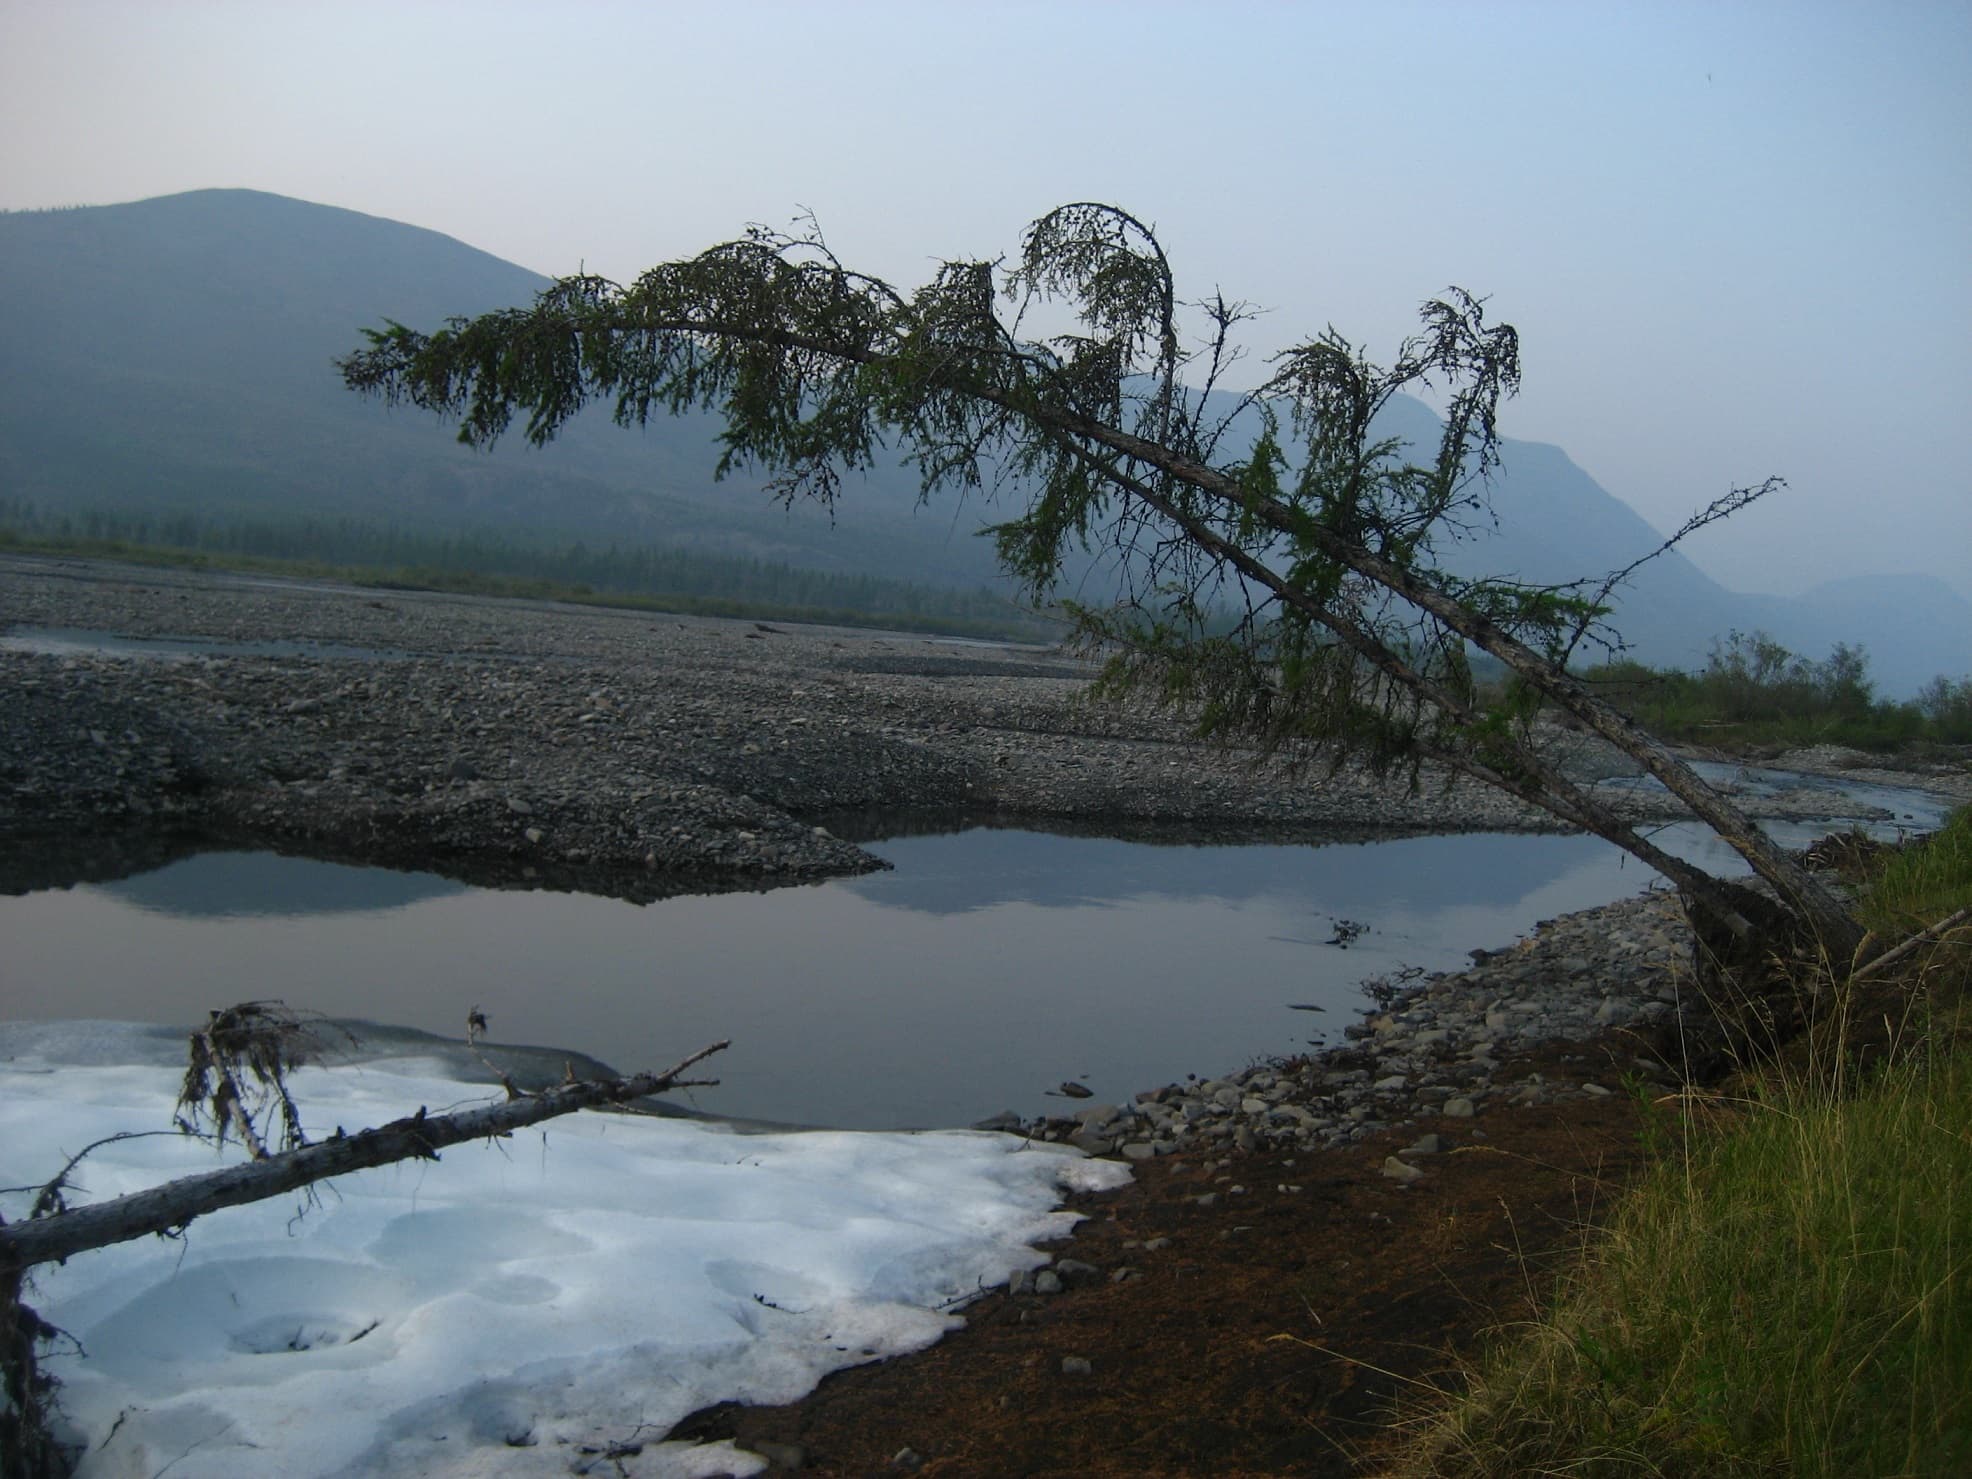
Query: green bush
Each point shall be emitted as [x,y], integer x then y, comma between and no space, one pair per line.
[1924,883]
[1753,692]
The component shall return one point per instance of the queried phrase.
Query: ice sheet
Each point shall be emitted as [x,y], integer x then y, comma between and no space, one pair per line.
[517,1307]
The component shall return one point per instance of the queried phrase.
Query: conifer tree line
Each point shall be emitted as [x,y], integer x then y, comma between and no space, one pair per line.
[704,580]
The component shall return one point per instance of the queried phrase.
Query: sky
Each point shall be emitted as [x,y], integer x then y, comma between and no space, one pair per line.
[1736,238]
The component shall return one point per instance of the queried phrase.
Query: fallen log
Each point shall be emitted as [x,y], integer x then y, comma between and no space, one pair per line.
[167,1208]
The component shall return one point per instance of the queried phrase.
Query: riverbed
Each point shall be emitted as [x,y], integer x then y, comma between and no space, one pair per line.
[920,883]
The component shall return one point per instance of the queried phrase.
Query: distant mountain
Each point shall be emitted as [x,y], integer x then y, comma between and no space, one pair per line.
[1554,523]
[1557,523]
[1915,626]
[177,353]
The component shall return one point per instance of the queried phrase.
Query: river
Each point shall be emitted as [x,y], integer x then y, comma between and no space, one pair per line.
[988,965]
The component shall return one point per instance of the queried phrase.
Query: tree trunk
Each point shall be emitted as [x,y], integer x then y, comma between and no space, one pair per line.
[1801,894]
[167,1208]
[27,1449]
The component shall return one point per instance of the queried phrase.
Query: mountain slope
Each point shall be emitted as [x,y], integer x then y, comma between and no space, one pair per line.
[177,353]
[1557,524]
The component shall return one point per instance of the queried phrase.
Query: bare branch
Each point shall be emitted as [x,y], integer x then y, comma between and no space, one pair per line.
[1897,952]
[1723,507]
[419,1136]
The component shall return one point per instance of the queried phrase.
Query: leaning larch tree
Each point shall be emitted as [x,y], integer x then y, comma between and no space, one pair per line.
[1275,549]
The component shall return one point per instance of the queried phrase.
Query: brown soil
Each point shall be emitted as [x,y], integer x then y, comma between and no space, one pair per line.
[1269,1337]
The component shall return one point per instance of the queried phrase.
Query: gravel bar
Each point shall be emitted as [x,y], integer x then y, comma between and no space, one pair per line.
[154,711]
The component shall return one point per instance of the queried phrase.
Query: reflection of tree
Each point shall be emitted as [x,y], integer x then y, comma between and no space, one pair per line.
[882,824]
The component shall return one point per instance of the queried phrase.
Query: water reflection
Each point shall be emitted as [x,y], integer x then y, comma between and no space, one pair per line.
[992,963]
[993,868]
[242,885]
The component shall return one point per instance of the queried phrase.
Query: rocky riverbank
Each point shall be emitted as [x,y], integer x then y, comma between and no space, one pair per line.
[1950,777]
[512,743]
[1438,1049]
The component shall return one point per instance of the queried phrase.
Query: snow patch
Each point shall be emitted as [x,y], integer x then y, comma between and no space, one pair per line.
[547,1304]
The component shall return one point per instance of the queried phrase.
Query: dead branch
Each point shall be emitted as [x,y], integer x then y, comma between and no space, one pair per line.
[1722,507]
[167,1208]
[475,1030]
[1898,952]
[236,1072]
[49,1200]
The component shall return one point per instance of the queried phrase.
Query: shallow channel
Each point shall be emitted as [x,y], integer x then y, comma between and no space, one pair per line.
[988,966]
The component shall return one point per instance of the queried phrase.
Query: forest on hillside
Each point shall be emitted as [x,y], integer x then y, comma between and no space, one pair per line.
[511,562]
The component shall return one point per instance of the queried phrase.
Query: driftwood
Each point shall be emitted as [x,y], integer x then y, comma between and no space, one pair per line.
[1897,952]
[243,1055]
[167,1208]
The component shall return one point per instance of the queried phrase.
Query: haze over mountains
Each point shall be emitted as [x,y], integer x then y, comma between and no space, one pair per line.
[175,354]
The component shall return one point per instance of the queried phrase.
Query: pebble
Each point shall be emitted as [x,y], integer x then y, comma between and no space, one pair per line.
[653,754]
[1429,1049]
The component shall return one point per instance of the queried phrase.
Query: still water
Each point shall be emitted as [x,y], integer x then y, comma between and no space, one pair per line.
[987,967]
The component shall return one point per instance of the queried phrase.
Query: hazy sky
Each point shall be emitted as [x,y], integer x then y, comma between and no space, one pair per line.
[1736,238]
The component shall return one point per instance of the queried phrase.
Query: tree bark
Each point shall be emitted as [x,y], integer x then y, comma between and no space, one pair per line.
[1542,785]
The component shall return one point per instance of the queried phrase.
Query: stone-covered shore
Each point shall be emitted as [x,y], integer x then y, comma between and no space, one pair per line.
[512,743]
[517,744]
[1438,1048]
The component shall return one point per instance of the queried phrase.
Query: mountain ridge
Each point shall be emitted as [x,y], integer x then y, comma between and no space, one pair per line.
[177,352]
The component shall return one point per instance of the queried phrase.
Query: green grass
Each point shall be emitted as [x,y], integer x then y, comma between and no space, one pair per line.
[1926,883]
[1788,1295]
[1794,1297]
